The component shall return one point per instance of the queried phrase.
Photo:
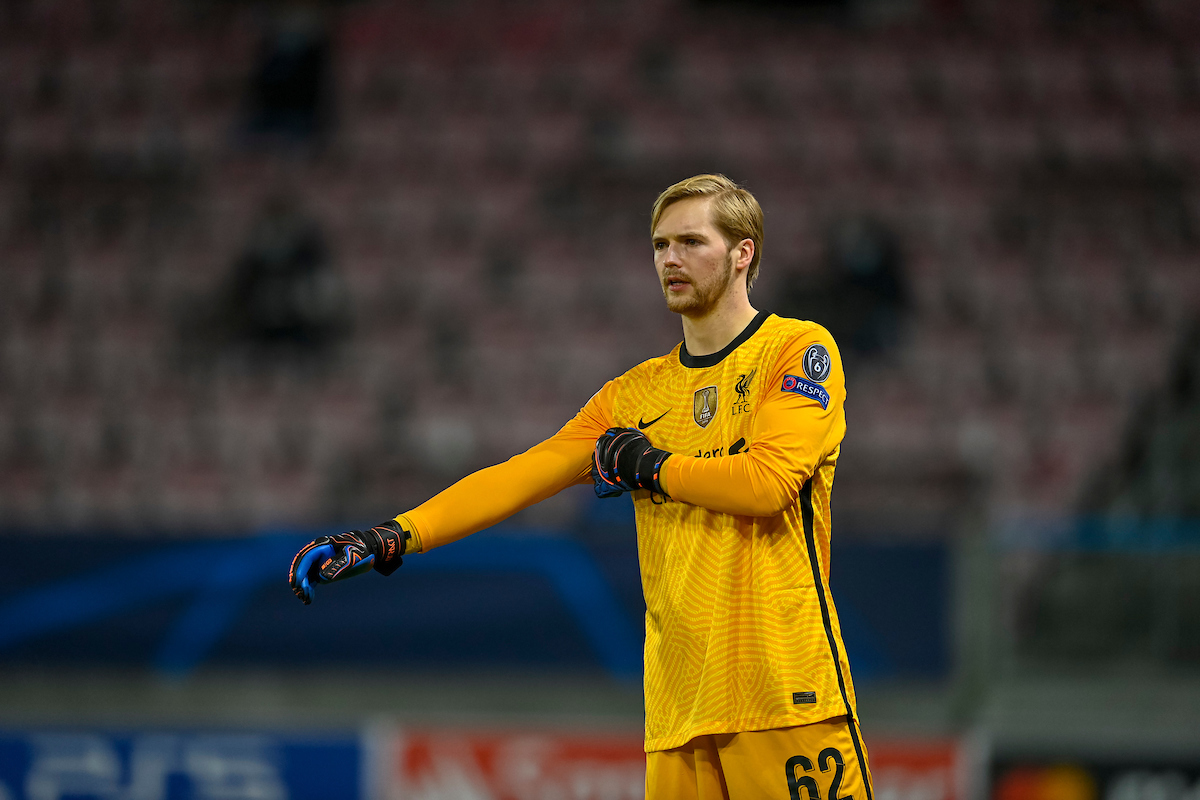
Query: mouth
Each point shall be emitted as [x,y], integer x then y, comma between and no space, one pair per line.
[675,284]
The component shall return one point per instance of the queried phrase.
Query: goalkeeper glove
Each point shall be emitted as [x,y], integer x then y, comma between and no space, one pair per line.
[333,558]
[624,460]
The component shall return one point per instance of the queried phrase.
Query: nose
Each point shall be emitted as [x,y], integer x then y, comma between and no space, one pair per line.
[670,256]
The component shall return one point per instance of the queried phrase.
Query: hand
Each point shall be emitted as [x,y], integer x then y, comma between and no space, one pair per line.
[624,460]
[333,558]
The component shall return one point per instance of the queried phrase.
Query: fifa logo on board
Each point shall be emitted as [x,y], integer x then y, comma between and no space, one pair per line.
[704,405]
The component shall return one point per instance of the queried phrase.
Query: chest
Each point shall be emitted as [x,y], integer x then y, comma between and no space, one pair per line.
[702,412]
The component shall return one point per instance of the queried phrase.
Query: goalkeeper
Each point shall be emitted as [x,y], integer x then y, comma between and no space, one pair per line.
[727,446]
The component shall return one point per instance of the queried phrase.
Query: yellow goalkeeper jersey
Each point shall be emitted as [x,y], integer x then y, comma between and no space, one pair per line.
[741,631]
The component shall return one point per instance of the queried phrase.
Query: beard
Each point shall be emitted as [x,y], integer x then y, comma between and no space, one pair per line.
[704,295]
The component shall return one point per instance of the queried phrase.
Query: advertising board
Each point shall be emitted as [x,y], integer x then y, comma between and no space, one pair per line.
[461,763]
[1081,778]
[529,765]
[175,765]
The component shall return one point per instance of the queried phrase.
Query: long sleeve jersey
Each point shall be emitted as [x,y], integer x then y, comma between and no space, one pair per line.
[741,630]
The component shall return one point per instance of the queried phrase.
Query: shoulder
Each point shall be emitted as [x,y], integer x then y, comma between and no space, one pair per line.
[652,367]
[798,335]
[803,348]
[647,373]
[787,329]
[629,385]
[793,337]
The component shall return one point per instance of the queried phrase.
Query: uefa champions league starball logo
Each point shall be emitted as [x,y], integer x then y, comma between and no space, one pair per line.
[817,363]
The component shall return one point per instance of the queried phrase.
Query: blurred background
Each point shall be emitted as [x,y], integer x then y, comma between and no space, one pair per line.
[270,270]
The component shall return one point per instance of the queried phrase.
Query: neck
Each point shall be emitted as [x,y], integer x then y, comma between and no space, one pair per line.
[707,333]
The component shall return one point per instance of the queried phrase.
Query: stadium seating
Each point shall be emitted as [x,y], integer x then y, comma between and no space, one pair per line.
[485,196]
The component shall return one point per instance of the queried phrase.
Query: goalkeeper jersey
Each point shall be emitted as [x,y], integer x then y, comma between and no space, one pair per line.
[741,631]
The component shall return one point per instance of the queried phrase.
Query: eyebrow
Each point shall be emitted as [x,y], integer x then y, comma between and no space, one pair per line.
[681,235]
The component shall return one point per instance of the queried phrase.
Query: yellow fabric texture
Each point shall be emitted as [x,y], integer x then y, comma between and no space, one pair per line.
[741,633]
[767,764]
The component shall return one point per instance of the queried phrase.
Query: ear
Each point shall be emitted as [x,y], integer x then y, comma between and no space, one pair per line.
[743,254]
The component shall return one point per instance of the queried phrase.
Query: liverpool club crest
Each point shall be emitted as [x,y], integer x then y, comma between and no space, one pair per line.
[704,405]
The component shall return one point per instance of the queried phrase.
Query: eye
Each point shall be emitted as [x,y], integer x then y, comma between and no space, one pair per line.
[692,242]
[660,245]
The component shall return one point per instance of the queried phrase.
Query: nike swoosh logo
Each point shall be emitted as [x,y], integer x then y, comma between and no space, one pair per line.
[643,425]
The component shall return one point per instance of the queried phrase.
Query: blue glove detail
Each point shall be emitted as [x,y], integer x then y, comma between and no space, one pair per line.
[327,559]
[302,567]
[334,558]
[605,481]
[604,488]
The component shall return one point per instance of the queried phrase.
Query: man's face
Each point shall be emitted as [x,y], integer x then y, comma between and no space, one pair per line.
[694,264]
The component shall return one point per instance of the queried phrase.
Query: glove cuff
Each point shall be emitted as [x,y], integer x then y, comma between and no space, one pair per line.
[649,470]
[389,542]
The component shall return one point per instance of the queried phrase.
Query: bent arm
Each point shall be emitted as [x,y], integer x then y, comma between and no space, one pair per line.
[791,435]
[495,493]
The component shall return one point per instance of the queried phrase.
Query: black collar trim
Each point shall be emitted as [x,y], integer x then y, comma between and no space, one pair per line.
[696,362]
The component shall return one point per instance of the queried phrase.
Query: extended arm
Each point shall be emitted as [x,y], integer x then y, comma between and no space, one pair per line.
[493,494]
[490,495]
[475,502]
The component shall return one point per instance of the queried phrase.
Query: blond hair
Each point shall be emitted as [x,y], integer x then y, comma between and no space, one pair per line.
[735,212]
